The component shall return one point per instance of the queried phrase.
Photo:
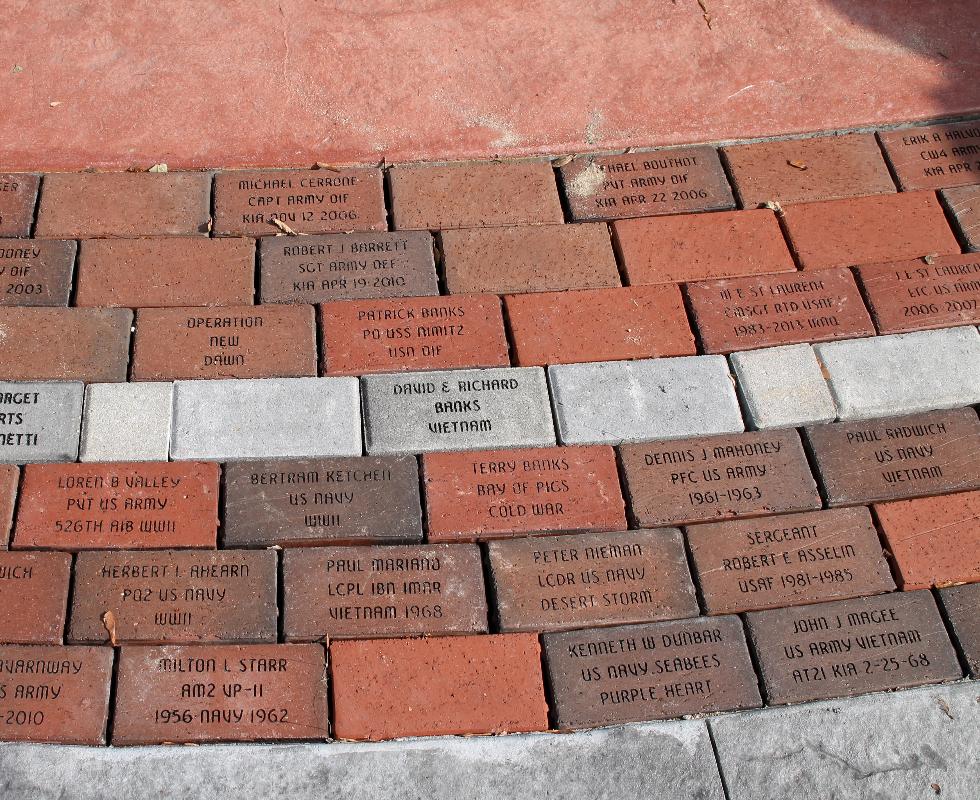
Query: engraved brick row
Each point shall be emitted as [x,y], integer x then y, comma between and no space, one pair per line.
[462,331]
[391,688]
[598,676]
[493,494]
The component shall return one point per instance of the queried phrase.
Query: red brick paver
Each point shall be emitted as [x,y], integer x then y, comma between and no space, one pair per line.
[474,195]
[865,230]
[692,247]
[9,478]
[18,194]
[217,693]
[529,259]
[172,271]
[306,201]
[645,184]
[77,714]
[36,272]
[935,156]
[805,170]
[935,541]
[96,506]
[491,494]
[599,325]
[272,341]
[90,205]
[748,313]
[389,688]
[919,295]
[418,333]
[33,597]
[64,344]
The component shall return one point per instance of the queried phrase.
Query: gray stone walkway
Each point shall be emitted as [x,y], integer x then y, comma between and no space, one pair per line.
[919,743]
[878,747]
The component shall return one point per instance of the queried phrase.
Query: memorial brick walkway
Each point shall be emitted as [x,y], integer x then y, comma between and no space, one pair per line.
[354,454]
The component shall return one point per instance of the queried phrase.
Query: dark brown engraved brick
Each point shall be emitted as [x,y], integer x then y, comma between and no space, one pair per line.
[118,505]
[792,559]
[718,477]
[322,501]
[348,266]
[366,592]
[18,193]
[33,597]
[221,693]
[641,672]
[174,596]
[849,647]
[962,604]
[671,181]
[55,694]
[897,457]
[555,583]
[306,201]
[36,272]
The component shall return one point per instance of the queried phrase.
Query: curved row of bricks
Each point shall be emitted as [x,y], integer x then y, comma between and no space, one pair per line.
[672,528]
[364,572]
[809,268]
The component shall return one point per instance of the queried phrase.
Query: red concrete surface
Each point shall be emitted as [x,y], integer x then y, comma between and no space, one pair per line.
[251,82]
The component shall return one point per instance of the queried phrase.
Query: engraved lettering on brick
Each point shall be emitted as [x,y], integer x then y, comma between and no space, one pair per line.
[641,184]
[558,583]
[897,457]
[507,492]
[322,501]
[935,156]
[221,693]
[54,694]
[33,597]
[913,295]
[175,596]
[348,266]
[310,201]
[639,672]
[356,592]
[744,565]
[426,411]
[693,480]
[411,334]
[847,647]
[747,313]
[82,506]
[35,272]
